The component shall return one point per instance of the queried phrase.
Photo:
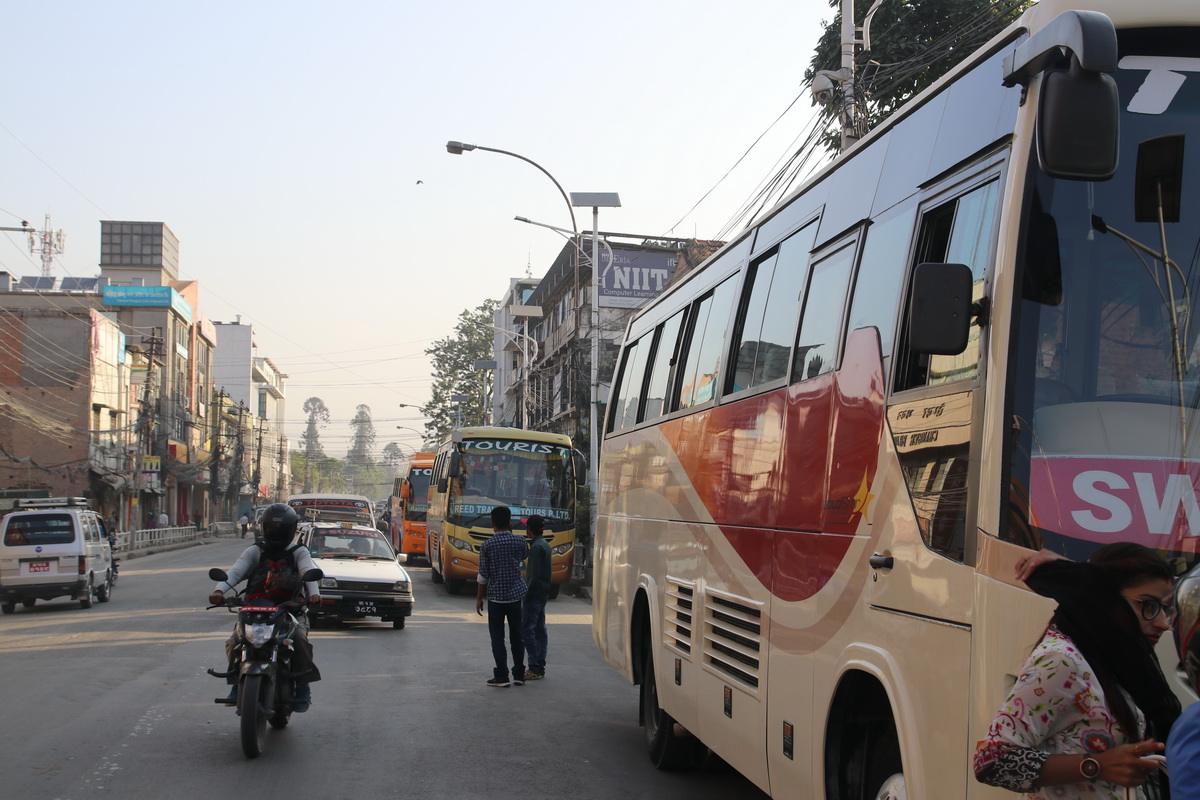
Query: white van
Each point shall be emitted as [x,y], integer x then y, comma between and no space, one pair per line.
[51,547]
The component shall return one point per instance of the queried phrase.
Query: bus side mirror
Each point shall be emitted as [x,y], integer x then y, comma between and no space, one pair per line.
[1077,124]
[455,465]
[443,484]
[579,468]
[939,315]
[406,486]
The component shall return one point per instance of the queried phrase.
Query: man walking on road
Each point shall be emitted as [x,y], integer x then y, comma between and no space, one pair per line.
[533,609]
[499,578]
[245,523]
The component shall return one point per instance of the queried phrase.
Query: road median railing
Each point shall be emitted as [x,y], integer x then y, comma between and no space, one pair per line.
[151,540]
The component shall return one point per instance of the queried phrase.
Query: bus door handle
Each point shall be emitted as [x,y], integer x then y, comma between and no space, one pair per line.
[881,562]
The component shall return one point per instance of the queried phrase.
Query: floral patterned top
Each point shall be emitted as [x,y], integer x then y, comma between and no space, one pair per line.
[1055,707]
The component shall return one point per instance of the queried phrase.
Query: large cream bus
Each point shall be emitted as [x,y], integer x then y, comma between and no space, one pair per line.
[969,335]
[480,468]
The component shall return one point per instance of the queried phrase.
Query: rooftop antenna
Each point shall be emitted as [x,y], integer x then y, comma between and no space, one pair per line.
[47,244]
[528,263]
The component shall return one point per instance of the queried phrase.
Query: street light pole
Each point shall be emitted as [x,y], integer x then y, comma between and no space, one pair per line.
[595,200]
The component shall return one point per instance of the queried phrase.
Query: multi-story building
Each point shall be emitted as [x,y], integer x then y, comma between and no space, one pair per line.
[515,351]
[257,444]
[633,270]
[67,425]
[139,263]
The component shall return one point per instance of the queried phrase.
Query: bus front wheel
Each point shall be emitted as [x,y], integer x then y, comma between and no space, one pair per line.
[668,748]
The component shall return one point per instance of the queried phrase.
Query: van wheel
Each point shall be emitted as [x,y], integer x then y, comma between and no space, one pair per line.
[398,623]
[85,600]
[8,607]
[29,602]
[104,593]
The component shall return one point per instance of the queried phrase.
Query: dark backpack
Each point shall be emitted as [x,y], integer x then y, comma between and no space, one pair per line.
[275,579]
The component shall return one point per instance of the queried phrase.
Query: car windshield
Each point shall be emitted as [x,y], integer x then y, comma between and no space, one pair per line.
[354,544]
[1105,392]
[37,529]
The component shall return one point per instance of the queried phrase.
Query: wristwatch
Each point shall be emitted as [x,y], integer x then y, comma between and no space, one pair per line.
[1089,768]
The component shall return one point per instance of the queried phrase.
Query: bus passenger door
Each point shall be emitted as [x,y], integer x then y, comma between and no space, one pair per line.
[920,592]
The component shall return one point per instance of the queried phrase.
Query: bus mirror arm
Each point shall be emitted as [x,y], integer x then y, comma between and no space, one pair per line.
[1089,36]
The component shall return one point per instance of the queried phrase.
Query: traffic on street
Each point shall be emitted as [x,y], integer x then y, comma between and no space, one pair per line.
[115,701]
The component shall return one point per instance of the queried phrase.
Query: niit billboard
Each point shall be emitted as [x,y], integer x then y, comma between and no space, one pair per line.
[631,277]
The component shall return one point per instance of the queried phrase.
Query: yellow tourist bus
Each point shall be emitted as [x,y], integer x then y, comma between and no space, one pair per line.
[479,468]
[828,445]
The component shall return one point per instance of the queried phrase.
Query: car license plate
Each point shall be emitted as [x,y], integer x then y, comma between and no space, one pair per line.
[365,607]
[36,567]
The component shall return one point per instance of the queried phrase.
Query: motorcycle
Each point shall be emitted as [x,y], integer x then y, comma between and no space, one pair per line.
[262,663]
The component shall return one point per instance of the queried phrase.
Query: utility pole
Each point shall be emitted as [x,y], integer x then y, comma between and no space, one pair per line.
[214,475]
[849,113]
[147,419]
[256,478]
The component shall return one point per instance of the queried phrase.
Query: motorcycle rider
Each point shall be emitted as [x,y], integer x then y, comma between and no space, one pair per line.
[278,526]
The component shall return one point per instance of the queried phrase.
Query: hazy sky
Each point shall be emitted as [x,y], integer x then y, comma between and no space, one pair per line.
[297,149]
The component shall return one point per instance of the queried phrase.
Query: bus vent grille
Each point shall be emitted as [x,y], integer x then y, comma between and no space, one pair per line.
[678,627]
[733,639]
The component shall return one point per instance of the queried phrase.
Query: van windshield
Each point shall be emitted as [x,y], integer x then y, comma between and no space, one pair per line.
[39,529]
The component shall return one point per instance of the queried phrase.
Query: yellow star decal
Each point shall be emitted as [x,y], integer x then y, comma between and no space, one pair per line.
[863,498]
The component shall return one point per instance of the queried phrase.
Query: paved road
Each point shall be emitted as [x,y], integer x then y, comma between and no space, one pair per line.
[114,702]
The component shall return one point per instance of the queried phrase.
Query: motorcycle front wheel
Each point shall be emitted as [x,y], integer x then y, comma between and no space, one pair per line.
[254,721]
[283,708]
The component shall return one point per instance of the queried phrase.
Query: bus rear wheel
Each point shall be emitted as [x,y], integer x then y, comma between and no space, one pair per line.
[667,747]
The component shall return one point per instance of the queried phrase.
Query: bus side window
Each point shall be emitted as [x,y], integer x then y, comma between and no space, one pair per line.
[629,386]
[773,294]
[960,231]
[881,270]
[662,367]
[706,340]
[821,326]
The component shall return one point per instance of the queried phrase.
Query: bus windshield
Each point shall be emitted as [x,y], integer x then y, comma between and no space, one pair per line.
[1105,390]
[529,477]
[418,501]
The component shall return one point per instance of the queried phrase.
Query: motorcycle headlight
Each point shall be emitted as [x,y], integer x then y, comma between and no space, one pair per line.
[461,545]
[328,583]
[259,633]
[403,587]
[562,549]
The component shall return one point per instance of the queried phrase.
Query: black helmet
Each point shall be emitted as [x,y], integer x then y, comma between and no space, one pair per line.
[279,522]
[1187,625]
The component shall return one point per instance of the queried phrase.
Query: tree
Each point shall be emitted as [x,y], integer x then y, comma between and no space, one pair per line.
[362,437]
[310,440]
[392,456]
[913,43]
[453,360]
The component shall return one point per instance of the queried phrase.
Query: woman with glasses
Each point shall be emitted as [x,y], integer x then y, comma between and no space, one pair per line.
[1091,709]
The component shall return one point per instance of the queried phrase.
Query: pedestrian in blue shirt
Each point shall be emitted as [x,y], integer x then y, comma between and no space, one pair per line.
[1183,745]
[500,559]
[533,609]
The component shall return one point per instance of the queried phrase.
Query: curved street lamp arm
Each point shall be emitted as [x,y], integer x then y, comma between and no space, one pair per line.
[561,191]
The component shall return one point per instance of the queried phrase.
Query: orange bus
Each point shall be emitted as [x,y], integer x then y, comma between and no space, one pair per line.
[828,445]
[409,519]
